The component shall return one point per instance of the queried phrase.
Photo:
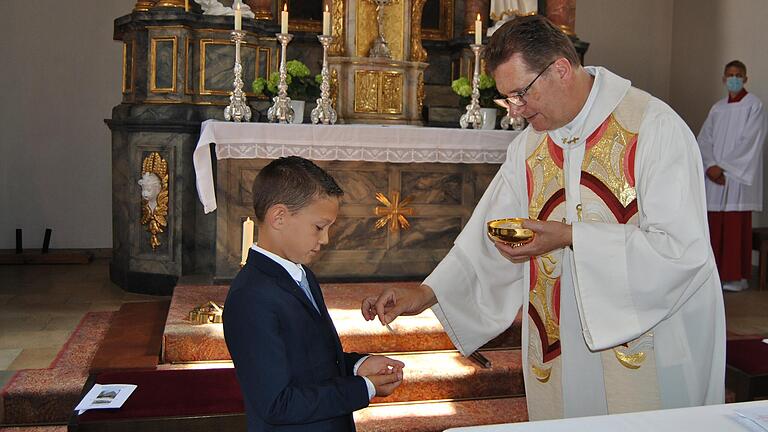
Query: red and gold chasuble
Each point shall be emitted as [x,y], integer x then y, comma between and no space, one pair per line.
[607,189]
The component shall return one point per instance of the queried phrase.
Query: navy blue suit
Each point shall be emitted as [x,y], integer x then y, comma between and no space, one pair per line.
[288,358]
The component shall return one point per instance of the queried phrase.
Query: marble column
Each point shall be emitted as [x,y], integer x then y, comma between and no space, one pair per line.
[261,8]
[473,7]
[563,14]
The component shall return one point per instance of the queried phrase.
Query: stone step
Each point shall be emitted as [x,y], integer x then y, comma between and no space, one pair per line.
[440,415]
[448,375]
[184,343]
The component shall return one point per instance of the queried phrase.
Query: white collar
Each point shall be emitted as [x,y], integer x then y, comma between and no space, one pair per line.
[295,270]
[607,91]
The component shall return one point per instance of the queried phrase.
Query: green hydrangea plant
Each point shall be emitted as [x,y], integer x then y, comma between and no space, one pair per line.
[487,87]
[301,84]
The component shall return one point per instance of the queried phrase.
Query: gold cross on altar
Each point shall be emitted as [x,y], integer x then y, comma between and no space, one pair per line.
[394,211]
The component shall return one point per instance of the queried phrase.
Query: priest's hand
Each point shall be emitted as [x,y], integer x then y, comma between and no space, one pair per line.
[550,235]
[377,364]
[393,302]
[387,382]
[716,174]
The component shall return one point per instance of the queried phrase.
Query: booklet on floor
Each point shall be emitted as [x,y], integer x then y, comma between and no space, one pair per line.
[105,396]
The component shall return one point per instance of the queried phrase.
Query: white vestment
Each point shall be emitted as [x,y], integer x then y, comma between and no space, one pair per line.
[732,138]
[631,318]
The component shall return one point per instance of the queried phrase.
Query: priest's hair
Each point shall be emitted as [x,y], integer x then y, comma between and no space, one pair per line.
[535,38]
[292,181]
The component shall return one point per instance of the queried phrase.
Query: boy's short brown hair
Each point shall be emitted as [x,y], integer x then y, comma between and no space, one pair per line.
[292,181]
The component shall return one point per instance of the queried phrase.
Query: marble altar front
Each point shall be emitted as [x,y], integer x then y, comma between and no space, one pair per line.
[442,173]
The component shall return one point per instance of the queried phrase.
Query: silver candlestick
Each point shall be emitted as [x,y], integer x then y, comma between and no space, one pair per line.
[238,109]
[473,115]
[281,111]
[324,111]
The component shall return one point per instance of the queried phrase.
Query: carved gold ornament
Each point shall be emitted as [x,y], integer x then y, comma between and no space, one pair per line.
[154,194]
[337,29]
[393,213]
[420,92]
[208,313]
[418,53]
[143,6]
[334,86]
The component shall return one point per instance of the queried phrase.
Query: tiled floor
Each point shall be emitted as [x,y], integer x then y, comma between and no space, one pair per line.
[41,305]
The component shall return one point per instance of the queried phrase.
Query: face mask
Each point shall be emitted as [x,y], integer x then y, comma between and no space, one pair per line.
[734,84]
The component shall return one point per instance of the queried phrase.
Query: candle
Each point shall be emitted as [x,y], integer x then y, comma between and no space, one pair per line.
[478,31]
[529,7]
[247,239]
[284,19]
[238,16]
[186,5]
[326,22]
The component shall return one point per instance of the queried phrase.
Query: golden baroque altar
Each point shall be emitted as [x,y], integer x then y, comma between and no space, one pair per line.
[377,90]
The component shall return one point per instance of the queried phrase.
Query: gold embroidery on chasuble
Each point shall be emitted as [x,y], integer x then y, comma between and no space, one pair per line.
[544,169]
[610,158]
[608,195]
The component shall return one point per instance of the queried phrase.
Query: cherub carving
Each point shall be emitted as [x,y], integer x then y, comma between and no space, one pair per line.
[154,195]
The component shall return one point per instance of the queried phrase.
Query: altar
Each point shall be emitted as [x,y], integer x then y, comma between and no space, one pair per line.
[408,190]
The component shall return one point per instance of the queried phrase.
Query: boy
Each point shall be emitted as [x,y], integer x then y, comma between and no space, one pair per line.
[287,355]
[731,142]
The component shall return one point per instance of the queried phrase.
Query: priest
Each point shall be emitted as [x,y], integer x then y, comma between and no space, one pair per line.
[620,295]
[731,143]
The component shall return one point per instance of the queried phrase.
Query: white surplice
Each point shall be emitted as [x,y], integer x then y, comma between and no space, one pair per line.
[620,282]
[732,138]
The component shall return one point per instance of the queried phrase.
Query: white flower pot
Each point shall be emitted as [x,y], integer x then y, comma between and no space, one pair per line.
[298,111]
[489,118]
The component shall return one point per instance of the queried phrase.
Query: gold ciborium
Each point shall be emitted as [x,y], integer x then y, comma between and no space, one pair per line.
[509,231]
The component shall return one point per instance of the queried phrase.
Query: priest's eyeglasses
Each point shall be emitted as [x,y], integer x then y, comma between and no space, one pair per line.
[517,99]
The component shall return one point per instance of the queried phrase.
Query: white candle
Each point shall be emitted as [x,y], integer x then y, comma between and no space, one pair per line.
[529,7]
[478,31]
[247,239]
[326,22]
[284,19]
[238,16]
[186,5]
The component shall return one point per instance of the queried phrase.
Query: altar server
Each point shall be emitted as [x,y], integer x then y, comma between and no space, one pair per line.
[288,359]
[731,143]
[621,300]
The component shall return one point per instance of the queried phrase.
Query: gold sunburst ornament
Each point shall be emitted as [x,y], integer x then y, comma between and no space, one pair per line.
[394,212]
[154,196]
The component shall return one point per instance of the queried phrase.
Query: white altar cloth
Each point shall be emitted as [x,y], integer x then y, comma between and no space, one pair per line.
[373,143]
[714,418]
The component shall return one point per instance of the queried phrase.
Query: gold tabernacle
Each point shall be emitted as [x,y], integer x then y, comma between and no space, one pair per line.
[509,231]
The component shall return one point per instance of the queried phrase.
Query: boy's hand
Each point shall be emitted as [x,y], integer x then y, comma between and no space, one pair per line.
[386,382]
[374,364]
